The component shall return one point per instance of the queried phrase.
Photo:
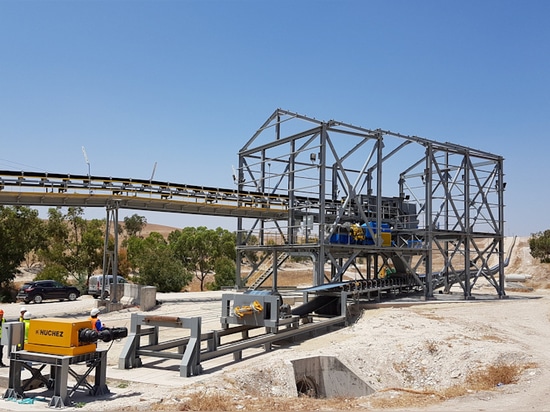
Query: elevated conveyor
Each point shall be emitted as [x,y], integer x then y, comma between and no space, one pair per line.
[50,189]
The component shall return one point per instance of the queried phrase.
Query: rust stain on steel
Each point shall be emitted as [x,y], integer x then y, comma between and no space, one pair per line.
[167,319]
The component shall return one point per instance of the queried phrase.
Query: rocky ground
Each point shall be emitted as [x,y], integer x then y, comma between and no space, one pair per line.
[442,355]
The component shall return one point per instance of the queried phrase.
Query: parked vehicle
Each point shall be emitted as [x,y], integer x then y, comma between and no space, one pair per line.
[40,290]
[95,284]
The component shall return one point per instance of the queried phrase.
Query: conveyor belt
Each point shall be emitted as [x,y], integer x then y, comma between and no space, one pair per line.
[54,189]
[316,304]
[364,285]
[48,189]
[335,286]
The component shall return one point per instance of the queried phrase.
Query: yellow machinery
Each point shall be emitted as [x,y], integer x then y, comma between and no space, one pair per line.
[60,343]
[58,337]
[386,238]
[241,311]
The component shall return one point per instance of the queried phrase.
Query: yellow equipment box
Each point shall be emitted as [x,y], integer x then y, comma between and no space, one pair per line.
[58,337]
[386,239]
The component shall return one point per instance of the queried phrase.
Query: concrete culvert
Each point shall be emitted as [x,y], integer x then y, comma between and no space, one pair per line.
[327,377]
[306,386]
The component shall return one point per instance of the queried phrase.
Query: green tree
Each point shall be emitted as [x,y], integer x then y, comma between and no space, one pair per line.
[224,273]
[199,248]
[124,265]
[539,243]
[134,224]
[92,244]
[53,271]
[21,232]
[74,243]
[156,263]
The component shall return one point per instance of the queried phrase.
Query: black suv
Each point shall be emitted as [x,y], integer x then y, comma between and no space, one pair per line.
[40,290]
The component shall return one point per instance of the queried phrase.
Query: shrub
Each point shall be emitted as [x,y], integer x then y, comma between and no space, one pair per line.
[53,271]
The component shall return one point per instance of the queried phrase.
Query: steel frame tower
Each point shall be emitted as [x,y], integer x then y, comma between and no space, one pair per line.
[429,211]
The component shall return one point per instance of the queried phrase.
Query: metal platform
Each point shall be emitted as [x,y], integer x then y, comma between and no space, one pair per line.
[57,382]
[194,348]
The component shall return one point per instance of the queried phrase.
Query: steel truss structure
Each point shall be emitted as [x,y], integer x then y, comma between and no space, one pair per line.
[367,204]
[359,203]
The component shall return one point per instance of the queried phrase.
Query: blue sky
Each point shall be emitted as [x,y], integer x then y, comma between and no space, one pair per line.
[184,84]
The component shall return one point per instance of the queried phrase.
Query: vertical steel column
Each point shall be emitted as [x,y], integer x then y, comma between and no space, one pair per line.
[500,194]
[60,398]
[114,296]
[467,228]
[379,154]
[291,230]
[274,274]
[239,180]
[446,220]
[262,188]
[110,257]
[428,181]
[238,259]
[320,264]
[15,389]
[191,361]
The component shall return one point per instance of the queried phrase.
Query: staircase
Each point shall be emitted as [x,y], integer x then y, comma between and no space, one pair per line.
[265,270]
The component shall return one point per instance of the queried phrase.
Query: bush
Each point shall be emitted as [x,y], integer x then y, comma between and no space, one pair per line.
[226,274]
[539,243]
[163,272]
[53,271]
[7,295]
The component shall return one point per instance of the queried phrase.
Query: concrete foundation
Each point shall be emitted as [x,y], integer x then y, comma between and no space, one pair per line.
[134,295]
[327,377]
[148,298]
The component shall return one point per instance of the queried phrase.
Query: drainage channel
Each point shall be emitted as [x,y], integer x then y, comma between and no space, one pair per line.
[327,377]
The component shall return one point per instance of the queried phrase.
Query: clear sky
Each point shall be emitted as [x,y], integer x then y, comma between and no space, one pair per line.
[185,84]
